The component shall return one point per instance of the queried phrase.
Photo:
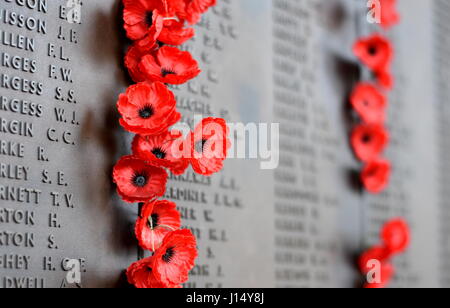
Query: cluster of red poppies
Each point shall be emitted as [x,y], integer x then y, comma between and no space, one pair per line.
[369,101]
[395,238]
[148,109]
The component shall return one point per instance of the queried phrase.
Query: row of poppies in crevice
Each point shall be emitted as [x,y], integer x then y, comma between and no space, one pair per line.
[370,138]
[369,100]
[148,109]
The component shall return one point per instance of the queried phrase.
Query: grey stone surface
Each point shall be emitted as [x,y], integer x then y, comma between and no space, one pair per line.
[263,61]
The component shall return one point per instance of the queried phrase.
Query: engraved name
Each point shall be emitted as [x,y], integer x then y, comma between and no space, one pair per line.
[16,262]
[15,127]
[17,41]
[17,239]
[18,217]
[14,172]
[18,63]
[21,21]
[36,5]
[20,84]
[11,148]
[21,107]
[23,283]
[20,194]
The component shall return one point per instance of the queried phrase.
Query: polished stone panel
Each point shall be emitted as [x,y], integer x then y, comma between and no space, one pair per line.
[286,62]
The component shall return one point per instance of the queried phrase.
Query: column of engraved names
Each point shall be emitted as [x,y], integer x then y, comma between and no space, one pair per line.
[306,144]
[22,26]
[202,199]
[61,138]
[25,142]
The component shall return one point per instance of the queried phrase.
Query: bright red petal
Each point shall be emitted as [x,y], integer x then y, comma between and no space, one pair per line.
[157,219]
[375,52]
[377,253]
[368,141]
[375,176]
[170,65]
[369,103]
[209,145]
[148,109]
[175,258]
[162,150]
[396,235]
[137,181]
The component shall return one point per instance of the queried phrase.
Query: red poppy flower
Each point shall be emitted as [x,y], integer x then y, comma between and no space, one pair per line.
[175,258]
[369,103]
[142,20]
[386,273]
[209,144]
[148,109]
[368,141]
[163,150]
[389,14]
[174,33]
[132,60]
[195,8]
[375,52]
[379,253]
[169,65]
[375,176]
[396,235]
[137,181]
[385,79]
[140,274]
[157,219]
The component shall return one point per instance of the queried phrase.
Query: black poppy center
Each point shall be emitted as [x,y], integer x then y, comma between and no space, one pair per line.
[159,153]
[366,138]
[372,50]
[146,112]
[140,180]
[167,71]
[149,18]
[168,256]
[200,145]
[153,221]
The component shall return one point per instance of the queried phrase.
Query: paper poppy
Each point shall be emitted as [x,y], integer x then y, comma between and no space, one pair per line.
[375,176]
[169,65]
[137,181]
[195,8]
[375,52]
[369,103]
[165,150]
[148,109]
[209,145]
[386,273]
[140,274]
[142,20]
[157,219]
[175,258]
[396,236]
[389,13]
[368,141]
[175,33]
[378,253]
